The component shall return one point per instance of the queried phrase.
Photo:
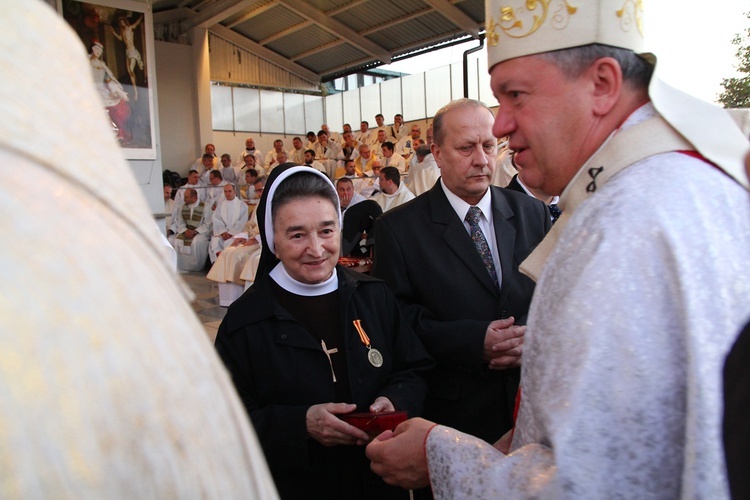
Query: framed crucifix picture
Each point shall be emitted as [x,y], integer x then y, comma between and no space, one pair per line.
[118,37]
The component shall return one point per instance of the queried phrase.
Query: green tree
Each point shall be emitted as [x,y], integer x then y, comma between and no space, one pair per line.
[736,92]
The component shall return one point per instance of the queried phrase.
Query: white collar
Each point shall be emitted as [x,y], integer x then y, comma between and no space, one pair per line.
[280,275]
[462,208]
[398,191]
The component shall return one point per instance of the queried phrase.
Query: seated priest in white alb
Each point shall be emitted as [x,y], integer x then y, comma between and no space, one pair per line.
[369,185]
[205,167]
[327,152]
[349,149]
[281,158]
[249,162]
[379,141]
[169,206]
[424,173]
[229,172]
[229,219]
[392,160]
[194,182]
[271,160]
[210,150]
[247,192]
[310,161]
[240,250]
[365,160]
[392,191]
[250,150]
[405,146]
[398,129]
[215,191]
[190,232]
[297,154]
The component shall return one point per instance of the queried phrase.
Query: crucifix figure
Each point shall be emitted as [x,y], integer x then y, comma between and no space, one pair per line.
[328,355]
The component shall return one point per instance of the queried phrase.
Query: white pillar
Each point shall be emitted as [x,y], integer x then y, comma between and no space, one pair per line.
[199,42]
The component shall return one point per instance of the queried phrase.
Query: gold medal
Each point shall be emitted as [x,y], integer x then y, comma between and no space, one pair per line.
[375,358]
[373,355]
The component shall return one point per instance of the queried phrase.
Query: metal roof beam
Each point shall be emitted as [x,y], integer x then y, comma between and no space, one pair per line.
[456,16]
[317,49]
[344,8]
[288,31]
[267,54]
[338,29]
[214,14]
[395,22]
[250,14]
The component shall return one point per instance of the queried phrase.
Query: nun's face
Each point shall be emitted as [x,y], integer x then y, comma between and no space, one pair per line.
[307,238]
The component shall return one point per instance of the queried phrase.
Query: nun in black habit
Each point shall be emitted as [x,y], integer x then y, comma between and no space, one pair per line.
[312,340]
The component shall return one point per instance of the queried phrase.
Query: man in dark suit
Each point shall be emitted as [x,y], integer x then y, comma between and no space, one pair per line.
[516,184]
[466,306]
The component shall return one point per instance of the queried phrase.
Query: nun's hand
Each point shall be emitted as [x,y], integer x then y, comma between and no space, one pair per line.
[326,428]
[382,404]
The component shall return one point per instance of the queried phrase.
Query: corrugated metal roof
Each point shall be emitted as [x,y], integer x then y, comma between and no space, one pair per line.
[315,39]
[272,21]
[335,56]
[302,41]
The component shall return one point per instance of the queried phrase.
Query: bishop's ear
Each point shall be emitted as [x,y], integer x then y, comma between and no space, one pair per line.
[606,76]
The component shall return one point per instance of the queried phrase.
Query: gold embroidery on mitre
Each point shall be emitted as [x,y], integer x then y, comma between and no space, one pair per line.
[631,13]
[511,20]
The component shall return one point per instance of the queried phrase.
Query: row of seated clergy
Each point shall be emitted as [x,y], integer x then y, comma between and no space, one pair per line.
[366,135]
[329,152]
[397,155]
[236,266]
[213,192]
[425,174]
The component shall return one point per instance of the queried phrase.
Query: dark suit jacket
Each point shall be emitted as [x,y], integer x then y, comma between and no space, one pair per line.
[425,254]
[515,186]
[737,415]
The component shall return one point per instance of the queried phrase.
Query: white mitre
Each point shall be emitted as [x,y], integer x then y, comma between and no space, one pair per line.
[517,28]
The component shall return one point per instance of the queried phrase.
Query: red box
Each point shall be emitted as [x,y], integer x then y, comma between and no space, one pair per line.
[375,423]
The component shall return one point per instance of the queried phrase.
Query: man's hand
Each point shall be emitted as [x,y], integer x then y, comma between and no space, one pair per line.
[503,344]
[225,236]
[189,233]
[399,456]
[326,428]
[345,198]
